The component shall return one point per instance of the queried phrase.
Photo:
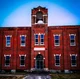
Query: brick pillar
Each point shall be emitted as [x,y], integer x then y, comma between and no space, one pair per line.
[66,68]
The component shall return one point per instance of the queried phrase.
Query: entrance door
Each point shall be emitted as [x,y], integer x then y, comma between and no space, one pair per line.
[39,63]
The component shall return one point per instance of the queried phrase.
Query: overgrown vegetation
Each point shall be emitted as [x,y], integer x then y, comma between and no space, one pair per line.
[66,76]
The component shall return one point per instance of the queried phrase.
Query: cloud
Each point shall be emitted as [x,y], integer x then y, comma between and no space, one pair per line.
[57,15]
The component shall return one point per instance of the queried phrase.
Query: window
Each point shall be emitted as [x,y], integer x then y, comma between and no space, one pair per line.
[36,39]
[73,60]
[57,60]
[8,41]
[42,39]
[56,40]
[23,40]
[22,60]
[7,60]
[72,39]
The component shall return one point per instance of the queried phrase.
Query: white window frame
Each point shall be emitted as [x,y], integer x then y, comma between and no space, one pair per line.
[35,39]
[55,59]
[24,60]
[41,38]
[21,40]
[5,60]
[75,59]
[74,40]
[55,44]
[8,40]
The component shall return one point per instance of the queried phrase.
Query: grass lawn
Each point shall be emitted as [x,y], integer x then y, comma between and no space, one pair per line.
[65,76]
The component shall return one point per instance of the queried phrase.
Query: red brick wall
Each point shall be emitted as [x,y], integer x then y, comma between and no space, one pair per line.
[15,48]
[36,29]
[64,49]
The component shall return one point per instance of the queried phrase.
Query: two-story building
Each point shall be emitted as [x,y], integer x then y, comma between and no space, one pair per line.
[40,47]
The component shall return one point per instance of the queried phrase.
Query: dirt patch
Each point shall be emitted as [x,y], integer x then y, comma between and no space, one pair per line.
[12,77]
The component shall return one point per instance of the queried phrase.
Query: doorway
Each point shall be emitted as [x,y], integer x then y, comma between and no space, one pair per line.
[39,63]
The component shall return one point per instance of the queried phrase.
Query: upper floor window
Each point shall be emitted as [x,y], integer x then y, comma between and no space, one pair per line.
[72,40]
[42,39]
[8,40]
[57,60]
[36,39]
[23,40]
[56,40]
[73,60]
[22,60]
[7,60]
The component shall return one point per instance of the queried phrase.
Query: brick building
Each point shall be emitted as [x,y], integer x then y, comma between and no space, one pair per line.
[40,47]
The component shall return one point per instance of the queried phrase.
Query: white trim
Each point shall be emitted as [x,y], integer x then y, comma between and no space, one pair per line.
[74,44]
[72,34]
[22,65]
[73,54]
[8,40]
[39,34]
[21,40]
[5,59]
[75,59]
[39,53]
[35,38]
[42,38]
[55,44]
[22,35]
[55,59]
[22,55]
[39,10]
[39,49]
[8,35]
[57,54]
[34,15]
[7,55]
[56,34]
[44,15]
[20,60]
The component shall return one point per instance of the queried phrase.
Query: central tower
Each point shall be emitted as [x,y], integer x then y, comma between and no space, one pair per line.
[39,39]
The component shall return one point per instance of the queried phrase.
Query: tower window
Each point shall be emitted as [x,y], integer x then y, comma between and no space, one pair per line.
[36,39]
[8,40]
[22,60]
[23,40]
[42,39]
[7,60]
[72,40]
[57,60]
[57,40]
[39,16]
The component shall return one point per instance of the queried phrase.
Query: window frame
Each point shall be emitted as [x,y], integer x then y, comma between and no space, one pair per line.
[58,60]
[42,38]
[57,44]
[72,44]
[22,40]
[74,60]
[22,59]
[35,39]
[8,45]
[5,60]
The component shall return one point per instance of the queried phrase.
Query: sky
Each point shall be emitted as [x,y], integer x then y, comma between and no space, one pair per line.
[14,13]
